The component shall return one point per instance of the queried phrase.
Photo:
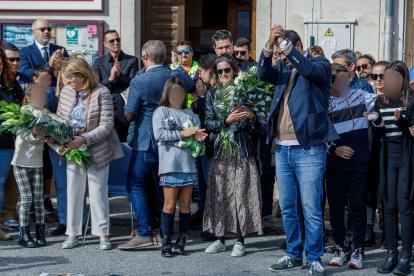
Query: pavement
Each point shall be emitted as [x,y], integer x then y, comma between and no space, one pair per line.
[262,251]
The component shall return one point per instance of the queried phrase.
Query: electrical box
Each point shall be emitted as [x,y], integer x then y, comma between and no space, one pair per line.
[331,35]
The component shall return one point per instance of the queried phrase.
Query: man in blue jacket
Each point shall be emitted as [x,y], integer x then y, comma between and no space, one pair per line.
[300,124]
[41,51]
[143,98]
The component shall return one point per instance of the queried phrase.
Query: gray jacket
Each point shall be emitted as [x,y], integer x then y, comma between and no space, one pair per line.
[167,124]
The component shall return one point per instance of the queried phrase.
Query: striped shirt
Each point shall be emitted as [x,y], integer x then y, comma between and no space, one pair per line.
[347,115]
[392,132]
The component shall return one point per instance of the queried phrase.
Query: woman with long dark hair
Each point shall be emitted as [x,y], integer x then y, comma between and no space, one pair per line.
[390,107]
[233,202]
[10,92]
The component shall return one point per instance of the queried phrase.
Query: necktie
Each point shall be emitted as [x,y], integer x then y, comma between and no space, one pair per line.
[45,54]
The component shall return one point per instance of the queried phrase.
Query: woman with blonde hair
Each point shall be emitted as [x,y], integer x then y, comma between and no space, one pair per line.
[87,105]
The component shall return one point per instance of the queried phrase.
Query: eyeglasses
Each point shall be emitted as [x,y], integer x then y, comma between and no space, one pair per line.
[112,41]
[362,66]
[241,53]
[225,70]
[43,29]
[71,78]
[16,59]
[376,76]
[185,51]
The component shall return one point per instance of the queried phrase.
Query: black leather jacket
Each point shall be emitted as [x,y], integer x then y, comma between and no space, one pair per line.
[10,95]
[214,125]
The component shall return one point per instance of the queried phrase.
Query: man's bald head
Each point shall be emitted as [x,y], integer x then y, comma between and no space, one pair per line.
[41,31]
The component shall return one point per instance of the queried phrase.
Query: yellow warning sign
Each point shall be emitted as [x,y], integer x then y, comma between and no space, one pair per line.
[329,32]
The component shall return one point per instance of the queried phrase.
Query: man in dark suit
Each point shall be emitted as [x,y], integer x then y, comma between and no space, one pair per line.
[299,122]
[41,51]
[116,70]
[143,98]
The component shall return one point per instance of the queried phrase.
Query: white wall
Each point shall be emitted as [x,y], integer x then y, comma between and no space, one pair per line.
[125,19]
[369,14]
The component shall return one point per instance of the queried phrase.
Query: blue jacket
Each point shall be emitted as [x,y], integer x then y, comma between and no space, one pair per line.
[144,97]
[309,99]
[31,56]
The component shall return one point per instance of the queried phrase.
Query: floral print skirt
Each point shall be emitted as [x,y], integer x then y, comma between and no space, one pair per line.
[233,192]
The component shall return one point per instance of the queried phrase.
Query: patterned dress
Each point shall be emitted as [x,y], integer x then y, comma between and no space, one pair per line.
[233,193]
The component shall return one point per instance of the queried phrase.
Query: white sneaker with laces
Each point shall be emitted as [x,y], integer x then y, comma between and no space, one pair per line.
[216,247]
[239,250]
[339,257]
[356,260]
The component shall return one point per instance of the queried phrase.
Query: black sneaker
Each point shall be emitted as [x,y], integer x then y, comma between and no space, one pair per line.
[47,203]
[285,263]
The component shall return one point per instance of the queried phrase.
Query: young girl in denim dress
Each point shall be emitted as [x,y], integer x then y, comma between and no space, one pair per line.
[172,123]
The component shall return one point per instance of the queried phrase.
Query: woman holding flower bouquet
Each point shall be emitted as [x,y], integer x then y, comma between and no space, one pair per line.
[233,195]
[10,92]
[87,105]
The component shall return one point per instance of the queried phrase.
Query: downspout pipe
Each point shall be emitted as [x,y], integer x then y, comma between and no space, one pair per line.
[389,29]
[404,39]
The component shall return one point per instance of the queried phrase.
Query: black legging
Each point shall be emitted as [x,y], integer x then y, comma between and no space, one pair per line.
[240,237]
[395,202]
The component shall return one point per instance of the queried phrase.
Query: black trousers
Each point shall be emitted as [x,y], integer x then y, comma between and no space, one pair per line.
[267,172]
[340,187]
[394,202]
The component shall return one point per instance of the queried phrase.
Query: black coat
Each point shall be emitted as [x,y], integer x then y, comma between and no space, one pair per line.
[10,95]
[407,163]
[406,179]
[214,126]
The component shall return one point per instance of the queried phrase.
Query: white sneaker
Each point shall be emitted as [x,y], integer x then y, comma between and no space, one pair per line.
[216,247]
[238,250]
[339,257]
[356,260]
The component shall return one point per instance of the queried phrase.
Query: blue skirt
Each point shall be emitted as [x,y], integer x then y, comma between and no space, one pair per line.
[178,179]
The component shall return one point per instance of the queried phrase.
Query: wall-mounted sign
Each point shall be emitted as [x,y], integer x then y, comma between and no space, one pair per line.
[19,35]
[48,5]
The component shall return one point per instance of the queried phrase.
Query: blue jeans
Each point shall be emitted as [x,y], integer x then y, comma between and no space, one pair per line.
[59,172]
[300,179]
[6,156]
[143,166]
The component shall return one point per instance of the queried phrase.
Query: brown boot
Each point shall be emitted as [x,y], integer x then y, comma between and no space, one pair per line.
[136,242]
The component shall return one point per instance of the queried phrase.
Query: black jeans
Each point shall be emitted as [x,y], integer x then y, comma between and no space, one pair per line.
[395,202]
[340,187]
[267,172]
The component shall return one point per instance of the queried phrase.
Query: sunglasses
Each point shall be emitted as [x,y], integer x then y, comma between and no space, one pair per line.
[376,76]
[363,66]
[112,41]
[43,29]
[14,59]
[241,53]
[225,70]
[185,51]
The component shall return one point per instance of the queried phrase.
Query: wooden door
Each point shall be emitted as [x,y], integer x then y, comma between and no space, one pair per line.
[163,20]
[242,20]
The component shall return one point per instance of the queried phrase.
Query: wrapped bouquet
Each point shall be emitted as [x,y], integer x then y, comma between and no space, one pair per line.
[197,148]
[258,94]
[18,119]
[248,90]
